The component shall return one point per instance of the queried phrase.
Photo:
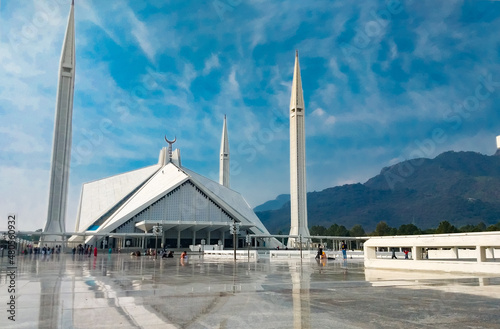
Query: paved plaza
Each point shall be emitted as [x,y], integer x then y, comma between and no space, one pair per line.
[122,291]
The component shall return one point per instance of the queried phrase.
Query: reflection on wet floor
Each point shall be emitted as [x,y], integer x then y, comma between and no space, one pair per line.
[140,292]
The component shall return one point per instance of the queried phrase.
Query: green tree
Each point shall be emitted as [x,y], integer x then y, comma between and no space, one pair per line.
[333,229]
[468,228]
[342,231]
[409,229]
[318,230]
[494,227]
[481,227]
[446,227]
[357,230]
[382,229]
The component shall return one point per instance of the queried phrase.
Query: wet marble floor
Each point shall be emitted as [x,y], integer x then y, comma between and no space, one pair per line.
[140,292]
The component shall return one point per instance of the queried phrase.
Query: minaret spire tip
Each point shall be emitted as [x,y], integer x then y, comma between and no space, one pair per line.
[72,2]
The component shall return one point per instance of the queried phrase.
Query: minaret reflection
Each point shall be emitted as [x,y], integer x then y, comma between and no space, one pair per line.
[301,282]
[50,311]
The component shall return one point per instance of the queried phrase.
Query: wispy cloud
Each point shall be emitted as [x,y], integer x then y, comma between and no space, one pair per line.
[211,63]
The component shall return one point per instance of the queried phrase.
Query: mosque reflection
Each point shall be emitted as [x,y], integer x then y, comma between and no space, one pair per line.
[202,293]
[141,291]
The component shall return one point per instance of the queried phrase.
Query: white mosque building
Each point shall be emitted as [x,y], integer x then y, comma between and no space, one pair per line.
[188,206]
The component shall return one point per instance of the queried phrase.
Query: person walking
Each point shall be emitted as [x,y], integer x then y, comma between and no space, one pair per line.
[344,250]
[320,252]
[394,253]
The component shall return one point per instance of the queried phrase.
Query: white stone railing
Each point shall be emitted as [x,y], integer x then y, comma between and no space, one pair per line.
[285,254]
[461,252]
[229,254]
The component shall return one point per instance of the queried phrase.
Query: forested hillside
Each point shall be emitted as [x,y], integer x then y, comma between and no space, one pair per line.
[462,188]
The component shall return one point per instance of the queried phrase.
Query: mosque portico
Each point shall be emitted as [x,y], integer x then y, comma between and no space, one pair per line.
[211,232]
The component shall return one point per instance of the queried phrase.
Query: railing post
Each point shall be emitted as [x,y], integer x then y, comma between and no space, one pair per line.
[480,254]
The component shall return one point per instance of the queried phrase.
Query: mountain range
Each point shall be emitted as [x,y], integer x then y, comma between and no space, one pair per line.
[460,187]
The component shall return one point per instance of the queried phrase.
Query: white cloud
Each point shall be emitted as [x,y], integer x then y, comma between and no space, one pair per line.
[330,120]
[89,13]
[24,192]
[319,112]
[321,118]
[211,63]
[233,84]
[142,36]
[20,141]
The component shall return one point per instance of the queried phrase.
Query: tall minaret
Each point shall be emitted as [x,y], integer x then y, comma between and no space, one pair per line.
[498,146]
[224,157]
[298,193]
[61,148]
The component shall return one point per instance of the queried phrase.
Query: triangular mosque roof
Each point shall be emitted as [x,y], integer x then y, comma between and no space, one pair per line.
[118,198]
[100,196]
[163,181]
[232,198]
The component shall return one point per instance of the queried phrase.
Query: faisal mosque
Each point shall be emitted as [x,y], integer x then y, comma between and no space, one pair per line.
[182,207]
[188,206]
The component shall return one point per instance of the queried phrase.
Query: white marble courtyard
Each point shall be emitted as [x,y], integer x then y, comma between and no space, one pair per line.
[138,292]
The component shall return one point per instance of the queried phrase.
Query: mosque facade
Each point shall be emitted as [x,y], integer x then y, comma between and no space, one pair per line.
[190,209]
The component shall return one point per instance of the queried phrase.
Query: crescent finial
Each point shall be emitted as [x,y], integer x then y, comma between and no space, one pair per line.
[170,142]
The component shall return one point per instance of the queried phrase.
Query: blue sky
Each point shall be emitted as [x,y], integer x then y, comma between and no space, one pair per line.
[383,82]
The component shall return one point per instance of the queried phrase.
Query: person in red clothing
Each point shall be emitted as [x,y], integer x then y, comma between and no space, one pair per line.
[183,258]
[406,251]
[95,252]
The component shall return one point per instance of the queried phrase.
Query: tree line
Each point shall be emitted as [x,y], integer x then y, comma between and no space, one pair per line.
[383,228]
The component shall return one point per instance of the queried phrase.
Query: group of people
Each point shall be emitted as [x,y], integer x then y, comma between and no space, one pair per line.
[85,250]
[152,252]
[45,250]
[322,255]
[161,253]
[170,254]
[405,251]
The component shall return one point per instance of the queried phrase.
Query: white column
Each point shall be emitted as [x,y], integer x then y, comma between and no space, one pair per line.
[61,147]
[298,186]
[416,253]
[370,253]
[224,157]
[480,254]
